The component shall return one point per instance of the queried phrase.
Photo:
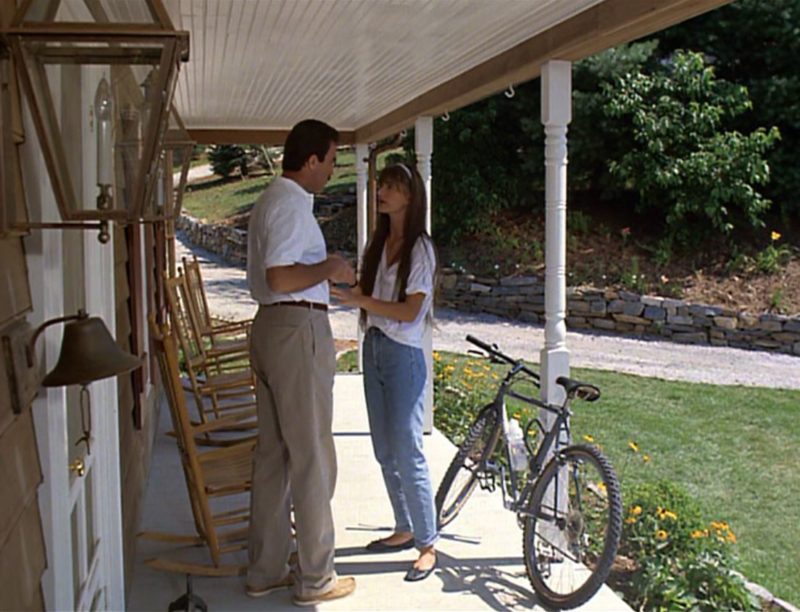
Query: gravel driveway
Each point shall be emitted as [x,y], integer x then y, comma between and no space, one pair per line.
[229,298]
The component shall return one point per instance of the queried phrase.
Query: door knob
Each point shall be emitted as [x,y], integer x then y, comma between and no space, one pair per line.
[78,467]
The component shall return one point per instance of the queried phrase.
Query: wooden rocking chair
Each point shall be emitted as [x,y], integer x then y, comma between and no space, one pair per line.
[210,475]
[220,381]
[218,332]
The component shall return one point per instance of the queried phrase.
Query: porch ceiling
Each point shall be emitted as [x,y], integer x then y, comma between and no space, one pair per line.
[370,67]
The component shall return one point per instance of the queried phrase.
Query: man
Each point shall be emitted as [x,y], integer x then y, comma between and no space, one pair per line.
[293,357]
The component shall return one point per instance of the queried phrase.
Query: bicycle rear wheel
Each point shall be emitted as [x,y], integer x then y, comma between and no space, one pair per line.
[570,537]
[461,476]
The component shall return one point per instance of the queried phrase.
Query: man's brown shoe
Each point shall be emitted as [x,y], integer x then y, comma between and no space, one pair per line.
[281,584]
[342,588]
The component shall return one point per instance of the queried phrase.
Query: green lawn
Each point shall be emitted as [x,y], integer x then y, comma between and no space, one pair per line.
[217,201]
[736,449]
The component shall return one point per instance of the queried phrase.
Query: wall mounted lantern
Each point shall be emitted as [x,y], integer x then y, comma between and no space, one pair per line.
[177,154]
[99,79]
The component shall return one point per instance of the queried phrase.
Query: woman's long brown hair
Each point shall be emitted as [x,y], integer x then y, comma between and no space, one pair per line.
[398,175]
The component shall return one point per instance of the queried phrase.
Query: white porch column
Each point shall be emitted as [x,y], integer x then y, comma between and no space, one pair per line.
[362,155]
[423,143]
[556,115]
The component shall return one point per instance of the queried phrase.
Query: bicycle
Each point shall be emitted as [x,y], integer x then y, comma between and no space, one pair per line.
[567,500]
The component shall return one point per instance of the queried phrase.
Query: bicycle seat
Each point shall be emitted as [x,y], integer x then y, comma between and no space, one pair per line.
[576,388]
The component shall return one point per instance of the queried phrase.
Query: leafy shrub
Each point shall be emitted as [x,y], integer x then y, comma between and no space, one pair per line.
[683,563]
[683,165]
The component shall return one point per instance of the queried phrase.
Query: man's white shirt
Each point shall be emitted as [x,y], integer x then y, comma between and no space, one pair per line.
[282,231]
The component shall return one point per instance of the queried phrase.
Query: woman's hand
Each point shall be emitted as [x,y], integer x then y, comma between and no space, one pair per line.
[347,296]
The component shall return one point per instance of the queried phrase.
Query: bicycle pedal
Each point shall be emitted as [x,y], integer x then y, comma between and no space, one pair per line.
[487,482]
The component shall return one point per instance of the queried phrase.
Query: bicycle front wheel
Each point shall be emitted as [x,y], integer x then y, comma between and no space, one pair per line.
[572,527]
[462,475]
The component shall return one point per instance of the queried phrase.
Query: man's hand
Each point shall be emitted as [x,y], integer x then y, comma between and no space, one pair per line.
[340,270]
[297,277]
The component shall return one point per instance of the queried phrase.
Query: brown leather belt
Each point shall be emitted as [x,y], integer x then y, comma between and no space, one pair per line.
[310,305]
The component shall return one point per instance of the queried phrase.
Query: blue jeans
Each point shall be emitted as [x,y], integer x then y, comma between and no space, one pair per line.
[394,384]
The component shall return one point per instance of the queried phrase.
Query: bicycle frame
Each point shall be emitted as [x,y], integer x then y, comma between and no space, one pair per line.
[514,499]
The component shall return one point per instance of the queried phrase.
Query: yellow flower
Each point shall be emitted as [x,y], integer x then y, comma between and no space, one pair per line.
[601,486]
[661,534]
[633,446]
[436,356]
[636,510]
[646,458]
[663,513]
[731,537]
[775,236]
[630,520]
[588,438]
[698,533]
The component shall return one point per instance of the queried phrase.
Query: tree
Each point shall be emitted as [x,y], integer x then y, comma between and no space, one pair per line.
[756,44]
[224,159]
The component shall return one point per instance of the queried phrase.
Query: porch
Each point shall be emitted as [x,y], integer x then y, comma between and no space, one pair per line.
[480,562]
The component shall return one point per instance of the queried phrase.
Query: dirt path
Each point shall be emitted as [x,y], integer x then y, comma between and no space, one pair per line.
[229,298]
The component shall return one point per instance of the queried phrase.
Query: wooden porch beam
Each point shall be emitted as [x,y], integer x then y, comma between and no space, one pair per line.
[260,137]
[603,26]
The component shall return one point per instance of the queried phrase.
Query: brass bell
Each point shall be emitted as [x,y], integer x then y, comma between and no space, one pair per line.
[88,353]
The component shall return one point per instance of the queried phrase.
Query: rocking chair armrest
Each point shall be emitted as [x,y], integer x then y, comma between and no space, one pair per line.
[228,327]
[227,353]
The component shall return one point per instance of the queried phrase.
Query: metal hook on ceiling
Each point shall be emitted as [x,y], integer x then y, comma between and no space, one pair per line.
[510,92]
[446,116]
[403,133]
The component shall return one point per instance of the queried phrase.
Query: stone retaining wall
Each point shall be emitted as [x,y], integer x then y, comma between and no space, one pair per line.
[522,297]
[227,241]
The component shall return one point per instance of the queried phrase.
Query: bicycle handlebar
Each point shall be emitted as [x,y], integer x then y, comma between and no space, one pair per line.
[496,352]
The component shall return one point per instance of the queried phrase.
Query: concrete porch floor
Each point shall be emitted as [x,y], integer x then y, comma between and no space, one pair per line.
[480,554]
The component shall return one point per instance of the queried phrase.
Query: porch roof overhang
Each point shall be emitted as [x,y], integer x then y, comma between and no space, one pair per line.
[371,67]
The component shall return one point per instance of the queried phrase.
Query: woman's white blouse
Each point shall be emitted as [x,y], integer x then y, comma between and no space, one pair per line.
[420,280]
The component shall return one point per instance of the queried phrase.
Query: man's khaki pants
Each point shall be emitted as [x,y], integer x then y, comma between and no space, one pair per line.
[293,356]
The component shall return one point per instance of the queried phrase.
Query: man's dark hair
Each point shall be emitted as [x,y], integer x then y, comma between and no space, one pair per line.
[307,138]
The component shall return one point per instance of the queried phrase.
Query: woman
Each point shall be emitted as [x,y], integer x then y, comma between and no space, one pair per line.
[394,294]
